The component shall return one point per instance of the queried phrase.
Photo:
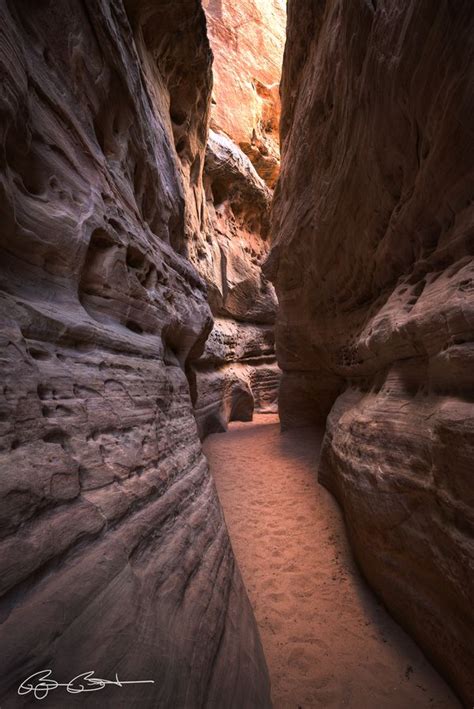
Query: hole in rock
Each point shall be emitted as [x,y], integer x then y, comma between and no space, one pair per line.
[38,354]
[178,117]
[181,145]
[135,258]
[134,327]
[57,436]
[220,192]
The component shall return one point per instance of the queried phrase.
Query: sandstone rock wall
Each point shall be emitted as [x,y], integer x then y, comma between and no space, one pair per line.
[238,372]
[247,39]
[114,553]
[373,266]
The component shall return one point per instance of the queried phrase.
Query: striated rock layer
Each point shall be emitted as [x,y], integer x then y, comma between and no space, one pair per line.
[247,39]
[114,553]
[373,266]
[237,373]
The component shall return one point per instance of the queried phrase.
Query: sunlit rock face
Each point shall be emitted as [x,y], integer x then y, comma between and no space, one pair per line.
[247,39]
[238,374]
[114,553]
[373,266]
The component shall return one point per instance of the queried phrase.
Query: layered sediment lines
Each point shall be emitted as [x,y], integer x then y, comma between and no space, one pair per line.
[237,373]
[247,39]
[114,553]
[373,267]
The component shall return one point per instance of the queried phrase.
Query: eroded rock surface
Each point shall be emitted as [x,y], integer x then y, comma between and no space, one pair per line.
[114,553]
[241,165]
[373,266]
[247,39]
[237,372]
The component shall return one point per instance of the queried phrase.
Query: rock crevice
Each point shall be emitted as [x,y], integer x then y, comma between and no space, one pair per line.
[237,373]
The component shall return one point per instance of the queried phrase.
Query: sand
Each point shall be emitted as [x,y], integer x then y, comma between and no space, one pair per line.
[327,639]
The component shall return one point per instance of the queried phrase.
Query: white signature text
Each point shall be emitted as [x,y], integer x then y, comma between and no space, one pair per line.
[41,683]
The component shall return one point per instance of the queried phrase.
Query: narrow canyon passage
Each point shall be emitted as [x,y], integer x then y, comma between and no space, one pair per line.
[213,211]
[327,640]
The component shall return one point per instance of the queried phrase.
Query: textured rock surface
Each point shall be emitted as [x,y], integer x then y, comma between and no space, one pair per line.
[238,215]
[247,39]
[238,373]
[373,265]
[241,374]
[114,553]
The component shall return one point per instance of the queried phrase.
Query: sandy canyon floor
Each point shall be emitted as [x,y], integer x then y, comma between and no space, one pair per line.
[327,640]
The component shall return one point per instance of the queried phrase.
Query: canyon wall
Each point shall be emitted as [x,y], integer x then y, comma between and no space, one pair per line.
[247,39]
[237,373]
[373,266]
[114,552]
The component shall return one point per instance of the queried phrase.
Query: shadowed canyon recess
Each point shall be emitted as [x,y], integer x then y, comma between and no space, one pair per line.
[156,262]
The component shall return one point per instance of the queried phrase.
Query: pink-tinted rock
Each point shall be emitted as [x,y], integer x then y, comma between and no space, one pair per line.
[238,223]
[233,378]
[247,40]
[373,266]
[230,230]
[236,375]
[114,552]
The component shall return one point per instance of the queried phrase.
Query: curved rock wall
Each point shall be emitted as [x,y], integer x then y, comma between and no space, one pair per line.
[373,266]
[114,553]
[238,372]
[247,39]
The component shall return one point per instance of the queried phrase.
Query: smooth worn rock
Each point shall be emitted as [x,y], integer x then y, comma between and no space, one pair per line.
[238,216]
[237,372]
[114,553]
[247,39]
[373,267]
[236,375]
[232,241]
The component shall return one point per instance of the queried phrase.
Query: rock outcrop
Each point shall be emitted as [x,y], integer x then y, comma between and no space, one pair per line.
[247,39]
[373,266]
[114,553]
[237,373]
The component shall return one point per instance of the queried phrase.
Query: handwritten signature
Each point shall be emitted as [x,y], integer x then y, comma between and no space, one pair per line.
[41,683]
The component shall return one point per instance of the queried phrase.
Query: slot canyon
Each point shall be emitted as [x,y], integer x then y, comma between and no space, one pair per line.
[237,332]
